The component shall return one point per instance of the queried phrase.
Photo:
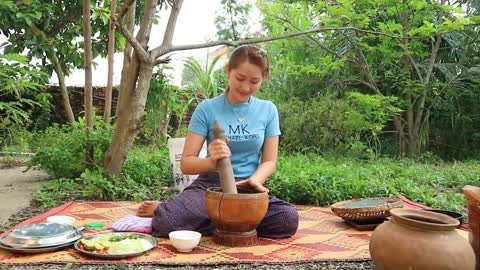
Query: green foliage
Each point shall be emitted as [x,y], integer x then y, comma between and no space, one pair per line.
[203,84]
[22,93]
[373,59]
[46,27]
[19,139]
[232,20]
[148,166]
[56,192]
[164,102]
[61,150]
[317,180]
[145,176]
[330,124]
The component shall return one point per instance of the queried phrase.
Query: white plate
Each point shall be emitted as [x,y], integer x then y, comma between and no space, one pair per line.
[152,240]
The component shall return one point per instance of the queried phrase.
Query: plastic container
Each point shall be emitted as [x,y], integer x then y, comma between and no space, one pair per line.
[62,220]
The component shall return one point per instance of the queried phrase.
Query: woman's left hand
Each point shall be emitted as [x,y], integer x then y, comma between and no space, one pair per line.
[253,184]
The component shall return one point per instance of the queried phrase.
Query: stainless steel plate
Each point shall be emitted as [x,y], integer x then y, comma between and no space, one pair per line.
[41,235]
[152,240]
[34,250]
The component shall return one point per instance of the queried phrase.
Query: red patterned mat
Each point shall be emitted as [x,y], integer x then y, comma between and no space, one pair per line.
[321,236]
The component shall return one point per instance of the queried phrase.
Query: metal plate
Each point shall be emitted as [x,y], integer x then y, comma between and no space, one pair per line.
[34,250]
[41,235]
[152,240]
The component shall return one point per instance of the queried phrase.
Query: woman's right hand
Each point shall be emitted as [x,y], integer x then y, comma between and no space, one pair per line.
[218,149]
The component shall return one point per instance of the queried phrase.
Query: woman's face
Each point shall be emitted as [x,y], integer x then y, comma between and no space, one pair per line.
[243,82]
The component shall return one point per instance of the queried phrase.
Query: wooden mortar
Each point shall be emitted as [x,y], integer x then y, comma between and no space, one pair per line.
[236,216]
[236,213]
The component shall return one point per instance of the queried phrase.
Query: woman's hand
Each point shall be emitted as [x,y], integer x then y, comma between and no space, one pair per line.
[252,184]
[218,149]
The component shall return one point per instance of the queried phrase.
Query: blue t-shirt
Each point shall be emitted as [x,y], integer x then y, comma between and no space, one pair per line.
[246,125]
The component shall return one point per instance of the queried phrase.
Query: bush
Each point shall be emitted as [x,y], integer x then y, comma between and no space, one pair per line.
[312,179]
[145,176]
[61,149]
[318,125]
[148,166]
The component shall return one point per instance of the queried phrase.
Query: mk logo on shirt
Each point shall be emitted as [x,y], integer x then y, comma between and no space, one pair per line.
[240,133]
[240,129]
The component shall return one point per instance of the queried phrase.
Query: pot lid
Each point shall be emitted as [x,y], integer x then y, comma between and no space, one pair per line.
[41,235]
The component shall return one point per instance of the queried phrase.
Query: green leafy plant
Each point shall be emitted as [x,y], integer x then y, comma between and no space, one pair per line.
[57,191]
[204,83]
[317,180]
[61,150]
[164,103]
[22,92]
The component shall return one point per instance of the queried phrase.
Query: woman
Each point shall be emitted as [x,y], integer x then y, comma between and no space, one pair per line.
[252,128]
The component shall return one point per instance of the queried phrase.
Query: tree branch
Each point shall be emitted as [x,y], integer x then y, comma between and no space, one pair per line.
[125,8]
[170,30]
[309,37]
[161,50]
[127,53]
[426,80]
[139,50]
[433,58]
[410,58]
[143,34]
[76,14]
[421,103]
[165,60]
[370,86]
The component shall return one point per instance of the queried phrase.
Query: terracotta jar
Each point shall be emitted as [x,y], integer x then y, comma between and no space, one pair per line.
[236,216]
[420,240]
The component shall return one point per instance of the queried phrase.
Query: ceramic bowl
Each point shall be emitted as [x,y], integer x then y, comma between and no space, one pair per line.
[61,220]
[183,240]
[455,215]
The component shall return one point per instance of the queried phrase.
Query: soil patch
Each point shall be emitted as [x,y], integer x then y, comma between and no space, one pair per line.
[17,187]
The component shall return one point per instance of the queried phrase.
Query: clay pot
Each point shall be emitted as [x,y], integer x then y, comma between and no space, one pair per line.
[236,216]
[420,240]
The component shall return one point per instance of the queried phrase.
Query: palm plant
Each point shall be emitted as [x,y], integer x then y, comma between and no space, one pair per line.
[203,82]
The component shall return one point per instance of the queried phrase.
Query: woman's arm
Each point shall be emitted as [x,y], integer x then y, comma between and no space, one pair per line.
[192,164]
[267,165]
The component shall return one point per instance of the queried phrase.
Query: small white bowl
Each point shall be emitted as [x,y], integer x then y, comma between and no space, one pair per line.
[183,240]
[61,220]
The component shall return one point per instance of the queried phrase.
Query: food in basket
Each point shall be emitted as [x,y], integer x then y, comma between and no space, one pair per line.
[122,244]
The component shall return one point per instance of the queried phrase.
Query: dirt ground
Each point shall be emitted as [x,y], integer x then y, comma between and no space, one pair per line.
[17,187]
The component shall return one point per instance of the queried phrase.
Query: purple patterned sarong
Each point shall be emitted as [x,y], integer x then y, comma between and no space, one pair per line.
[187,212]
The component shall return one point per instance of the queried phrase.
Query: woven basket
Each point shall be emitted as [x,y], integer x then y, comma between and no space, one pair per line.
[347,209]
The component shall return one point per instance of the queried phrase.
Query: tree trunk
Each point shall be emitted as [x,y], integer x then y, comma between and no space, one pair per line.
[411,142]
[88,97]
[111,52]
[127,54]
[63,89]
[129,122]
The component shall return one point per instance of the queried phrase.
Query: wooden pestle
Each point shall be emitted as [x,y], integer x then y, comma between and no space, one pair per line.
[224,165]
